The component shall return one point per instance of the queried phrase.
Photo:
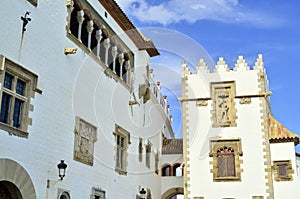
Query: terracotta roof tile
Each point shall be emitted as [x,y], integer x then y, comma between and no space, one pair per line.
[172,146]
[279,133]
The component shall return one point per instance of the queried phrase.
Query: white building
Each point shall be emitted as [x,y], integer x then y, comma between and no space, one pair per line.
[76,86]
[233,147]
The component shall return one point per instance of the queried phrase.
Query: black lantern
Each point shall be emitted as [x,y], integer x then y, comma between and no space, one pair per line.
[61,169]
[143,193]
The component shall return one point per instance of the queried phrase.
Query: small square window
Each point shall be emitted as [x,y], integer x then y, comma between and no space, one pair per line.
[283,170]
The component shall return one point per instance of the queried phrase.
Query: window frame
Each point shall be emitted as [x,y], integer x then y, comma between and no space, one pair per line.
[217,144]
[288,170]
[122,133]
[7,66]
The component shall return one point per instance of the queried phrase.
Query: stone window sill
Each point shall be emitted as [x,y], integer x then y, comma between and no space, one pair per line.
[13,130]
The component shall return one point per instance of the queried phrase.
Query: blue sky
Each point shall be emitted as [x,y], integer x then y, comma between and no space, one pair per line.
[227,28]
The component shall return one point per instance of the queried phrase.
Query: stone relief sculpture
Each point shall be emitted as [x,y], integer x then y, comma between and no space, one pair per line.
[223,108]
[85,137]
[224,112]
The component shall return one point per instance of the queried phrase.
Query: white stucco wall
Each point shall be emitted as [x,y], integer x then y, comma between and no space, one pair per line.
[248,129]
[75,85]
[286,189]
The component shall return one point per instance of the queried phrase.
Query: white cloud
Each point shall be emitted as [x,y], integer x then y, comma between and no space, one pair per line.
[174,11]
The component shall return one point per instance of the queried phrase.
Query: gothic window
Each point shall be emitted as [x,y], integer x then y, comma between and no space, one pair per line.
[18,86]
[122,142]
[283,170]
[226,166]
[226,162]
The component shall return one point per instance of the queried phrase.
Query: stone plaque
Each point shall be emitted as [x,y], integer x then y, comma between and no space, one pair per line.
[85,137]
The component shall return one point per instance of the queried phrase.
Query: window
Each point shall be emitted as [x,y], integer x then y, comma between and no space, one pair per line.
[166,170]
[18,85]
[122,141]
[283,170]
[226,163]
[156,162]
[148,154]
[226,166]
[177,169]
[140,149]
[64,195]
[97,193]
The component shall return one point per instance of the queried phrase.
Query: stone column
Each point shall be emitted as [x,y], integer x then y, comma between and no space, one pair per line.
[98,37]
[70,8]
[106,46]
[80,19]
[121,61]
[90,28]
[114,53]
[127,67]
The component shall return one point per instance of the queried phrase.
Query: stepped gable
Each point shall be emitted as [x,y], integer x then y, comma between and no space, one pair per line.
[172,146]
[120,17]
[279,133]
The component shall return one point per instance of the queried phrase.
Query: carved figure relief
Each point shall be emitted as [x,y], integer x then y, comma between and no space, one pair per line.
[224,112]
[223,108]
[85,137]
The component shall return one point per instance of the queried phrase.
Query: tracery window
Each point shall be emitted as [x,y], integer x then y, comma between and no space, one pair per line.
[226,162]
[226,165]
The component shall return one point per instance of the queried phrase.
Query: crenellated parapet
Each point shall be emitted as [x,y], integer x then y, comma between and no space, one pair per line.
[202,67]
[241,64]
[222,66]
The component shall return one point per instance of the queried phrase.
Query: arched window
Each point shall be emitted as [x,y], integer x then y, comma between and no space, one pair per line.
[166,170]
[177,169]
[64,195]
[226,163]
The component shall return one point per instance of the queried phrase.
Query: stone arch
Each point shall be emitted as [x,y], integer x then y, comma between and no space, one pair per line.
[172,192]
[14,173]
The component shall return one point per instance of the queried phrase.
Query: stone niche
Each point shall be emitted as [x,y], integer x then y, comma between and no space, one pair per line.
[85,137]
